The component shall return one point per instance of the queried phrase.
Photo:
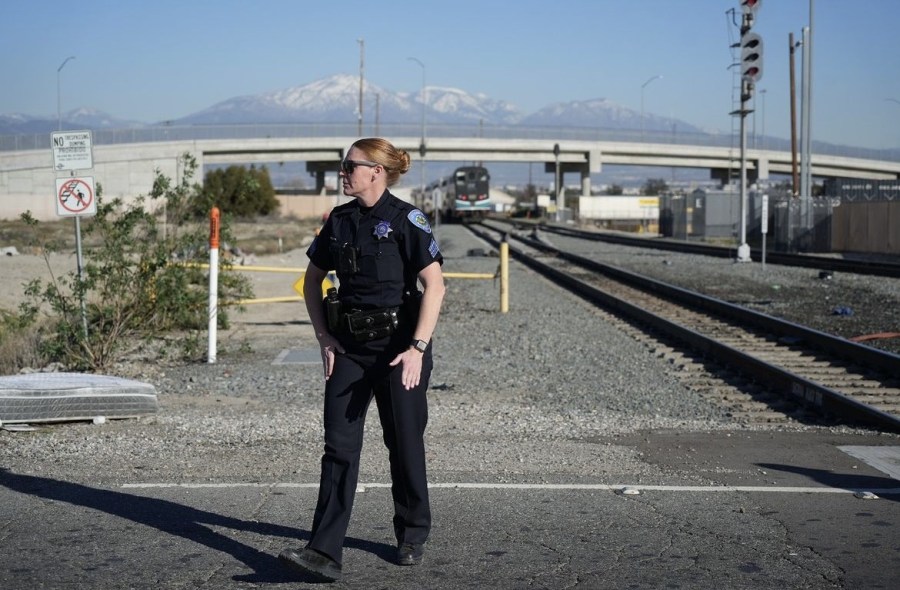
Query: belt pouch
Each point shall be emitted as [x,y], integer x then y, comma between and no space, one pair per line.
[333,310]
[371,325]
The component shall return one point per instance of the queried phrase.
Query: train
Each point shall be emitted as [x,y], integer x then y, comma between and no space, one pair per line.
[462,196]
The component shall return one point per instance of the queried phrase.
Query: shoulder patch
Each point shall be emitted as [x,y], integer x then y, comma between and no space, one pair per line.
[418,219]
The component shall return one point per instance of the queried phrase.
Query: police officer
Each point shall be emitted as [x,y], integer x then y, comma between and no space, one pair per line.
[375,335]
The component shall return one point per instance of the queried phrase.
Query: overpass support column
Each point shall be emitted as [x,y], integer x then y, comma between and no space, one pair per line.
[762,169]
[319,168]
[594,166]
[585,181]
[320,181]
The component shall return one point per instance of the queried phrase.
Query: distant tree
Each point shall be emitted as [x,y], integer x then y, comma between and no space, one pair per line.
[654,186]
[782,189]
[615,190]
[238,191]
[529,195]
[524,196]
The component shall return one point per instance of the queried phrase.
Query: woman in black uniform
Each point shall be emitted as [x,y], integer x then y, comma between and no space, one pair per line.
[375,335]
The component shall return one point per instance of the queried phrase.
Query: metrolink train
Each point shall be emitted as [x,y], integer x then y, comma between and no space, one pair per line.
[462,196]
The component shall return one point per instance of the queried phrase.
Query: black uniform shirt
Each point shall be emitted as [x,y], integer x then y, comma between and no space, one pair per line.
[391,241]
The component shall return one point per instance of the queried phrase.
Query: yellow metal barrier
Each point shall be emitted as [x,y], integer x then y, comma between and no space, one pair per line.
[503,271]
[469,275]
[250,268]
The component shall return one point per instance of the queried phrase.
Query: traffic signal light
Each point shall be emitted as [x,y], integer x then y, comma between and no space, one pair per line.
[750,6]
[748,9]
[751,57]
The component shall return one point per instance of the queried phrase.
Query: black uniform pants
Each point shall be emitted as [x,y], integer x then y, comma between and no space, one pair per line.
[356,378]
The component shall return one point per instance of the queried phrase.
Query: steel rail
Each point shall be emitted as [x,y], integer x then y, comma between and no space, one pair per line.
[789,384]
[867,267]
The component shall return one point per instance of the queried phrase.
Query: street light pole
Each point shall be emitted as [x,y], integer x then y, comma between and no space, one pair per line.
[644,85]
[58,94]
[422,148]
[556,182]
[362,47]
[424,94]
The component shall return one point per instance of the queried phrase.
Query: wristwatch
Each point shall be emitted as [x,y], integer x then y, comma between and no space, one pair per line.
[419,345]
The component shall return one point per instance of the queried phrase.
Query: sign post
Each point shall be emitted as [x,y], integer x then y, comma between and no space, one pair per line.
[75,196]
[764,227]
[73,150]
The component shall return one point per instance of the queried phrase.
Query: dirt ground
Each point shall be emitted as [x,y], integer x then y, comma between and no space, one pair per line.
[272,276]
[18,270]
[282,270]
[270,243]
[276,242]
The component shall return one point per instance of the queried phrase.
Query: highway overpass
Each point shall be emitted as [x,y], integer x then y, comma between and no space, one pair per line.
[126,168]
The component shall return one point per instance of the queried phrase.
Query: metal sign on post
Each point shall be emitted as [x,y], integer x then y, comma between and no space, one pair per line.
[72,150]
[75,196]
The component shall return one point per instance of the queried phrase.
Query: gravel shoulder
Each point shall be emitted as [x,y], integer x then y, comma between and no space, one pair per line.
[846,305]
[539,394]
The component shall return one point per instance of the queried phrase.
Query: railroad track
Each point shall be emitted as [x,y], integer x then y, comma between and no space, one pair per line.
[825,263]
[761,368]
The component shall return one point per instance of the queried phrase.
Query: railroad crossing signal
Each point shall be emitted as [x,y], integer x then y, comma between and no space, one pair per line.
[751,57]
[748,9]
[751,46]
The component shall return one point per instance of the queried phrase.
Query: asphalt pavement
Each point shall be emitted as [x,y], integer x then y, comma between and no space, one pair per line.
[790,510]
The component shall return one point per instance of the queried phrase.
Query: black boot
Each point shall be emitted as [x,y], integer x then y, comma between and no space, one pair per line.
[310,561]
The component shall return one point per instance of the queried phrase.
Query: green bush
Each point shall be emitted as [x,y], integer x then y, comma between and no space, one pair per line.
[20,344]
[238,191]
[654,186]
[141,280]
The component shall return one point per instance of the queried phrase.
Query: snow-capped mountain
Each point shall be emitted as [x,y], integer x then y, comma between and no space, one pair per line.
[94,119]
[336,100]
[605,114]
[450,105]
[83,118]
[330,100]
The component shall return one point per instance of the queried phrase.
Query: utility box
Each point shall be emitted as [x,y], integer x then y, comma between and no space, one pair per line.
[676,216]
[717,213]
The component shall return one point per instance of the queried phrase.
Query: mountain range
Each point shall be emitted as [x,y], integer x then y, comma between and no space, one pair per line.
[336,99]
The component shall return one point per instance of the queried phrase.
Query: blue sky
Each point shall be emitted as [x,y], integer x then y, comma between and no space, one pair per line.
[164,59]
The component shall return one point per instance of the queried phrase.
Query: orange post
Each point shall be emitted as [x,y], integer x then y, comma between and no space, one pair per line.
[214,227]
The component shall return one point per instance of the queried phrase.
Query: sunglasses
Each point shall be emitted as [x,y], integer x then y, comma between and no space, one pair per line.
[348,166]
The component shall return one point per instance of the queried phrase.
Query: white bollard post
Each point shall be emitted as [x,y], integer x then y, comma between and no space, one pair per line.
[504,275]
[213,283]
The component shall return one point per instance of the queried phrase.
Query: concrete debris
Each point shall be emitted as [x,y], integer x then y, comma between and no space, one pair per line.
[865,496]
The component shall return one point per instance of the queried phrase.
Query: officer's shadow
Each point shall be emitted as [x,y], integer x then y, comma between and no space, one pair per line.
[183,521]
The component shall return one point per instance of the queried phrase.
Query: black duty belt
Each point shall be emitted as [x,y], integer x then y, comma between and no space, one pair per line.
[371,324]
[362,325]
